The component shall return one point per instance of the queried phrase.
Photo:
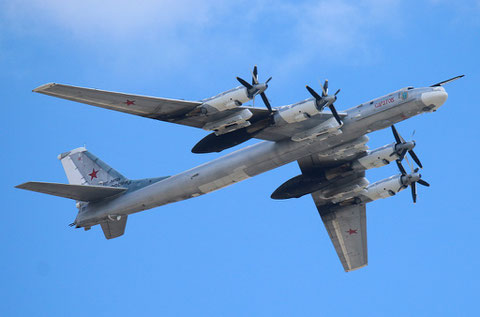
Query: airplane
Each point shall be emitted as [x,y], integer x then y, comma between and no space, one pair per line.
[329,146]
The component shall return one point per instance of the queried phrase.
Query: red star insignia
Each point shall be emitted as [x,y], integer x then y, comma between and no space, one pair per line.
[93,174]
[129,102]
[79,158]
[352,231]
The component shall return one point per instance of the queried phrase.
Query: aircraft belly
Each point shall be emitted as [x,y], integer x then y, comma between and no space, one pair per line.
[384,118]
[208,177]
[233,168]
[237,176]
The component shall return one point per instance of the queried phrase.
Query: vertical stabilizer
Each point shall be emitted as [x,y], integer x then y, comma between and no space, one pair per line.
[84,168]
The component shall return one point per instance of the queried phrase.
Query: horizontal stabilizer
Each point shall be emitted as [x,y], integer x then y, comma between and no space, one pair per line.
[78,192]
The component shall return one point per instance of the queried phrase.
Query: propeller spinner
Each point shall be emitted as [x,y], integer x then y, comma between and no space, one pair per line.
[326,100]
[257,88]
[411,180]
[402,147]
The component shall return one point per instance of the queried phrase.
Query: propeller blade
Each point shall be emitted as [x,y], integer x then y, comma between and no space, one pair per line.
[255,75]
[400,167]
[313,93]
[268,80]
[424,183]
[266,102]
[414,192]
[325,88]
[409,164]
[415,158]
[396,135]
[337,92]
[244,83]
[335,114]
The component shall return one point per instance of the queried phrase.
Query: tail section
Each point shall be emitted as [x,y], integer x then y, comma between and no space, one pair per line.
[91,181]
[84,168]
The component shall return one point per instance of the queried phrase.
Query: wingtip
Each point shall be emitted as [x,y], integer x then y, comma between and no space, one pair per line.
[350,269]
[21,186]
[44,87]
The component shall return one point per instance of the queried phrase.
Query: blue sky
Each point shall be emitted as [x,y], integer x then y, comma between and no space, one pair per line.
[234,252]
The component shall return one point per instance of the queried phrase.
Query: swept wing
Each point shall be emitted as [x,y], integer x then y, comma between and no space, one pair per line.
[163,109]
[345,224]
[177,111]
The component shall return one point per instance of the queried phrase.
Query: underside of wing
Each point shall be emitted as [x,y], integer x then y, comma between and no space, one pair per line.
[171,110]
[347,228]
[292,130]
[334,185]
[164,109]
[336,156]
[230,126]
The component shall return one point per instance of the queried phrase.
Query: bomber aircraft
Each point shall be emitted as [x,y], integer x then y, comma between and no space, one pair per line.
[329,146]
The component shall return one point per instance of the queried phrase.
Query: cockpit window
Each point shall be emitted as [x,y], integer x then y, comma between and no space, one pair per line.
[409,88]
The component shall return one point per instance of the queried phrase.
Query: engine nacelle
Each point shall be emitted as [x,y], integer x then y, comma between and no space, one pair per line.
[230,123]
[343,192]
[322,131]
[345,151]
[385,188]
[226,100]
[297,112]
[377,158]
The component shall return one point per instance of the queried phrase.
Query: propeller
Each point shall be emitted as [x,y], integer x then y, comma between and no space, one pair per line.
[325,100]
[411,179]
[256,88]
[402,147]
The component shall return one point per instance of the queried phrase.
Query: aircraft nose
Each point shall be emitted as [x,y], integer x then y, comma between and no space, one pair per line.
[434,99]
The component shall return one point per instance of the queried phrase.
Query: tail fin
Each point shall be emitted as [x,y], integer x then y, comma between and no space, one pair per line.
[84,168]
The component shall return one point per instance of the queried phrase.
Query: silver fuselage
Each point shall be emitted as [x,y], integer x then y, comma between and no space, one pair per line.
[256,159]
